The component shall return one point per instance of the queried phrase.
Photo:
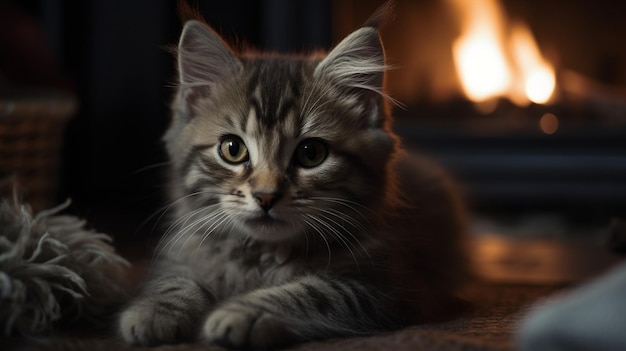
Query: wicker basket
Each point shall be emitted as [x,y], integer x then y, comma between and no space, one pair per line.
[31,135]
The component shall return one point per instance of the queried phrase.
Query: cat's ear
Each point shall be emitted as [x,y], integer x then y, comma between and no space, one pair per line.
[203,57]
[357,63]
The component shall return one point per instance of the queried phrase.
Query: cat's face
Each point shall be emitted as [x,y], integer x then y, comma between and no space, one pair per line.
[274,147]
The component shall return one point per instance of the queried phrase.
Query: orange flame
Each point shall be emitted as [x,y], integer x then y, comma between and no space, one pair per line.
[493,60]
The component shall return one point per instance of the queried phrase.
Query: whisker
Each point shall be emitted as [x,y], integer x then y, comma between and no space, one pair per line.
[343,217]
[364,232]
[163,210]
[184,219]
[167,238]
[151,167]
[172,240]
[344,202]
[223,216]
[350,205]
[321,234]
[200,222]
[335,232]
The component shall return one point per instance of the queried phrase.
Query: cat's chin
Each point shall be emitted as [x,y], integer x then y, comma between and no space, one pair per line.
[269,229]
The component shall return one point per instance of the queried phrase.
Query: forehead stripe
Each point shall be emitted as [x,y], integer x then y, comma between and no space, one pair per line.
[273,88]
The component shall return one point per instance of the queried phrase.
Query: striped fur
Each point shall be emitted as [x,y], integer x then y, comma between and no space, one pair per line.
[296,216]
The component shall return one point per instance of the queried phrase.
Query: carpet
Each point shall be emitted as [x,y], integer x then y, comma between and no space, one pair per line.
[488,325]
[512,275]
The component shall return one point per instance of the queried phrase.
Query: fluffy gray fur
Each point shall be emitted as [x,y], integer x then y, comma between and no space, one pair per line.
[296,214]
[53,268]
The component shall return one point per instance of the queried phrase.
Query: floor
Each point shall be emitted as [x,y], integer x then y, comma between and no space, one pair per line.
[512,275]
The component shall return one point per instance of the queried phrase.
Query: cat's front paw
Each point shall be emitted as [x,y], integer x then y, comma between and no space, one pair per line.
[151,324]
[240,326]
[169,311]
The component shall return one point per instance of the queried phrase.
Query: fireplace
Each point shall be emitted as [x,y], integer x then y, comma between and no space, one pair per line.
[524,101]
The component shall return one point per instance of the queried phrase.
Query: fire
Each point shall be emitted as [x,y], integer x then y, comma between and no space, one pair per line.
[536,73]
[496,60]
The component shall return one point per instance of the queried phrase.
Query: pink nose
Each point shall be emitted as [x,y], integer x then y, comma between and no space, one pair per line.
[266,200]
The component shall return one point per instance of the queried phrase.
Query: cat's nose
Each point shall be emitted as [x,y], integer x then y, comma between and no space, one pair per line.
[266,199]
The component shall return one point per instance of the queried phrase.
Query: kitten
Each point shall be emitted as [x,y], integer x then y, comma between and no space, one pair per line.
[298,216]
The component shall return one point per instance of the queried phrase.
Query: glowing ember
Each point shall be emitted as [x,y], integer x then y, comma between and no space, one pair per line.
[490,69]
[549,123]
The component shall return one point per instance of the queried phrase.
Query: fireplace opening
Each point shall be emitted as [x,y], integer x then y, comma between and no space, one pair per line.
[525,101]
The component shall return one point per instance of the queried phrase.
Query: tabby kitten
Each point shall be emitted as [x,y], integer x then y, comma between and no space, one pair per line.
[297,215]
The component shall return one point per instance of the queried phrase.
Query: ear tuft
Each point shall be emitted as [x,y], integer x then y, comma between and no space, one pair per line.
[357,62]
[203,57]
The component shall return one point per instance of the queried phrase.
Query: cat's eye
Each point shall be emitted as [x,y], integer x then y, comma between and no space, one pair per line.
[233,150]
[311,153]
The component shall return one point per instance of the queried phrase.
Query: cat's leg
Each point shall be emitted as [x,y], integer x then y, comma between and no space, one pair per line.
[310,307]
[169,309]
